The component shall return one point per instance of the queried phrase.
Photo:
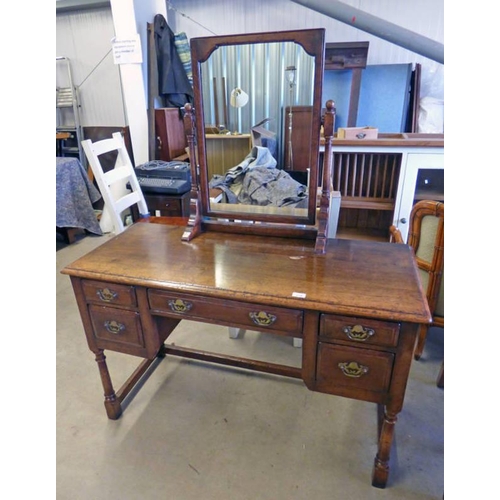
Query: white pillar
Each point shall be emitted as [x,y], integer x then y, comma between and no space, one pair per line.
[131,18]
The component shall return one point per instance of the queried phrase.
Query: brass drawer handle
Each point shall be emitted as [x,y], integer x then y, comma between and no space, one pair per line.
[358,332]
[106,295]
[179,305]
[114,327]
[353,369]
[262,318]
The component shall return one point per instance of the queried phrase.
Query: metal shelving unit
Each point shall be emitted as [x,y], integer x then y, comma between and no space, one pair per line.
[68,113]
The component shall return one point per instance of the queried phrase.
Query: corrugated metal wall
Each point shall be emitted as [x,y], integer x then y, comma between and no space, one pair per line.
[259,70]
[85,38]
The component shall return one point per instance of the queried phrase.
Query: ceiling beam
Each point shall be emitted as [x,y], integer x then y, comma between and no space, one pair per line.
[379,27]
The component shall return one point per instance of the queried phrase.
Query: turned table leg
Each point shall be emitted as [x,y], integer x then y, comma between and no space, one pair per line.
[111,402]
[381,466]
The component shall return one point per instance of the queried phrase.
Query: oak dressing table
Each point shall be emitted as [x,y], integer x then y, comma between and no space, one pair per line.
[356,305]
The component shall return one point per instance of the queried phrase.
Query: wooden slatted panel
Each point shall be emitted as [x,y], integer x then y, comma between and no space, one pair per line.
[367,180]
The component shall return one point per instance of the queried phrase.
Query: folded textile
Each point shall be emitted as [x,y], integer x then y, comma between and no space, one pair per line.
[259,156]
[263,186]
[257,181]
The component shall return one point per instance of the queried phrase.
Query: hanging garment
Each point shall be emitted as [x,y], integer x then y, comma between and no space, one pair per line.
[173,84]
[182,46]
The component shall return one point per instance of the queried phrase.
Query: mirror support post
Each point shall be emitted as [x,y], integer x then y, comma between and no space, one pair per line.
[327,186]
[194,224]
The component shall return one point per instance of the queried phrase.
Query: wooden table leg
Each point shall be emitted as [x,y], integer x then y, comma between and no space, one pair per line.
[381,466]
[69,233]
[111,402]
[440,379]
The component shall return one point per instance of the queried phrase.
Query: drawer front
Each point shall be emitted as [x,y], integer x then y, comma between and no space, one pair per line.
[165,204]
[353,368]
[359,330]
[108,293]
[117,326]
[232,313]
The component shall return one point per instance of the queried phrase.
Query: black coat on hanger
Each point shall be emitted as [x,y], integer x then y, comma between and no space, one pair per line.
[173,84]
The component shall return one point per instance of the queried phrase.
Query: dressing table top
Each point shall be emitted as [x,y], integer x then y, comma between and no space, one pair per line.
[371,279]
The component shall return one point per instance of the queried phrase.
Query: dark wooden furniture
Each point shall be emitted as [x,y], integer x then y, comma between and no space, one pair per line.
[357,308]
[171,141]
[165,205]
[301,149]
[348,56]
[60,138]
[69,234]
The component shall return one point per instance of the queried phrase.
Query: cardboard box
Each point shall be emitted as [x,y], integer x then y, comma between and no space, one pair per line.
[357,133]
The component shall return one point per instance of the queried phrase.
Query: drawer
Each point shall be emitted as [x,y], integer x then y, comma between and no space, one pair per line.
[359,330]
[109,293]
[117,326]
[228,312]
[168,206]
[348,367]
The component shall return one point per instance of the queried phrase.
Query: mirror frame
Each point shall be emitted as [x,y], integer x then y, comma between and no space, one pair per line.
[202,217]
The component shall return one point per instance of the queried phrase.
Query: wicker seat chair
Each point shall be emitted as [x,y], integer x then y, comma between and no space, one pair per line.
[426,237]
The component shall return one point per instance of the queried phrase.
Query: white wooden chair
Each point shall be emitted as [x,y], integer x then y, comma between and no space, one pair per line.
[113,183]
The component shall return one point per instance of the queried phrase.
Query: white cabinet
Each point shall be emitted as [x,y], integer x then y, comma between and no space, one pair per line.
[421,177]
[380,180]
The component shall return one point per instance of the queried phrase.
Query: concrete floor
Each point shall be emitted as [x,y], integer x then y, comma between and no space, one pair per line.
[197,431]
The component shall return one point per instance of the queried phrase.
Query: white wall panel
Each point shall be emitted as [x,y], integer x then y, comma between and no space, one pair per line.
[222,17]
[85,38]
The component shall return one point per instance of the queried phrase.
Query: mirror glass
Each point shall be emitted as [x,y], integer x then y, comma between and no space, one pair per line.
[257,106]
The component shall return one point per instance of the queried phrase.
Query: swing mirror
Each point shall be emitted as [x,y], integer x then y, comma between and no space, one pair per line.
[256,98]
